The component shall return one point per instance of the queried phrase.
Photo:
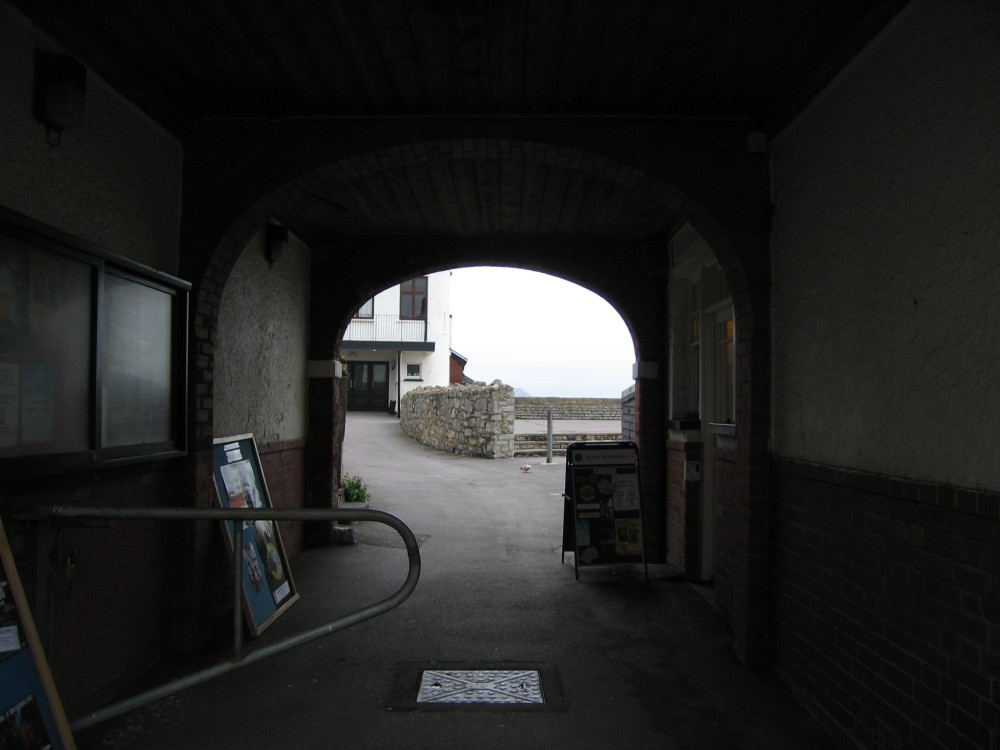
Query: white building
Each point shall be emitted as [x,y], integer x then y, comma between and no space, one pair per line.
[399,340]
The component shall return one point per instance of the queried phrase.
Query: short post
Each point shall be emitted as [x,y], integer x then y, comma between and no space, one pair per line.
[548,454]
[237,589]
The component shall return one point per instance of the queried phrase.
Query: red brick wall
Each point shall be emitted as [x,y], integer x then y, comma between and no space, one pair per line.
[885,605]
[683,509]
[283,466]
[456,371]
[728,559]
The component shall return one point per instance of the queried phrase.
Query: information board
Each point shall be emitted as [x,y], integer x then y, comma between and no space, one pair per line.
[602,520]
[268,588]
[31,715]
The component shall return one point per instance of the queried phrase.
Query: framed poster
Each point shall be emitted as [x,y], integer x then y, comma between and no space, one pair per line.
[603,513]
[31,714]
[268,588]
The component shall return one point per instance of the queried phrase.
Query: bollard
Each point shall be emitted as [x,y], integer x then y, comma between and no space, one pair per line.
[548,455]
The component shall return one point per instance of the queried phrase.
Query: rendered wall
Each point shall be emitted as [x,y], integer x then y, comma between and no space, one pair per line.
[114,181]
[435,366]
[884,518]
[261,347]
[884,249]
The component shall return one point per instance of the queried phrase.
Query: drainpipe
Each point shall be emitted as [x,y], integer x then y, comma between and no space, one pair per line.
[399,382]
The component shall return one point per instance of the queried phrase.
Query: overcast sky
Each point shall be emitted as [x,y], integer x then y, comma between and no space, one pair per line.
[539,333]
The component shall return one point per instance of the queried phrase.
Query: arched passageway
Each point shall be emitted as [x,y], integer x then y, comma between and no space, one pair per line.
[623,254]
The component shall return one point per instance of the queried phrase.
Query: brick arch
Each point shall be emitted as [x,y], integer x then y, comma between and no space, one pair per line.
[228,248]
[733,227]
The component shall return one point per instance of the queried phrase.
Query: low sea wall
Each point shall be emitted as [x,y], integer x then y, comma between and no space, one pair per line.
[530,407]
[470,420]
[628,413]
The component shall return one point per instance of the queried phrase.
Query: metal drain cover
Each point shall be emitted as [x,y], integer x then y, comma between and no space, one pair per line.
[482,686]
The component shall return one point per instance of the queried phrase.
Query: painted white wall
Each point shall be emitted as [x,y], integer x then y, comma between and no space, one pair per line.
[261,351]
[886,256]
[114,181]
[434,366]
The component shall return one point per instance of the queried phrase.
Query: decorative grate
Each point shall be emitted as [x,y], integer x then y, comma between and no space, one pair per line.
[487,686]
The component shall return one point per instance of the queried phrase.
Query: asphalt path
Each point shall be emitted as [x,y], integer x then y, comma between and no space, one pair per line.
[623,662]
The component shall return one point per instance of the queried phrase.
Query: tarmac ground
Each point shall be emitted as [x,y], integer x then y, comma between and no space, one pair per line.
[622,662]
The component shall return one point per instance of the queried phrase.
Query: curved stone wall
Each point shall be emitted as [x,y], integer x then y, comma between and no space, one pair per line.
[471,420]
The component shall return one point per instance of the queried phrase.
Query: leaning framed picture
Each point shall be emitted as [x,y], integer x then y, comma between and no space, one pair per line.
[31,714]
[268,587]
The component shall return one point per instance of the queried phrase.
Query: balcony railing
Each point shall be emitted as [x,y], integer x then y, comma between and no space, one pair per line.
[386,328]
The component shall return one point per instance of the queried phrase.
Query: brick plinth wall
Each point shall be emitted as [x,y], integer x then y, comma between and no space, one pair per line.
[323,454]
[728,560]
[120,583]
[683,509]
[283,465]
[885,605]
[121,586]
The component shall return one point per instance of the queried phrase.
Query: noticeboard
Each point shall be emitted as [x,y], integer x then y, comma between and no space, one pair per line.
[31,714]
[602,519]
[268,588]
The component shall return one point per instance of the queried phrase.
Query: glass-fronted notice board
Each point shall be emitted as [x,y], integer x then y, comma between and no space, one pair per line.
[31,715]
[268,587]
[603,513]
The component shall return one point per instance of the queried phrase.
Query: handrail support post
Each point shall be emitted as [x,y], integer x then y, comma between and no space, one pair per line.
[237,590]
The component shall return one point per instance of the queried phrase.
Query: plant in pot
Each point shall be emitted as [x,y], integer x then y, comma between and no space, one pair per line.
[356,492]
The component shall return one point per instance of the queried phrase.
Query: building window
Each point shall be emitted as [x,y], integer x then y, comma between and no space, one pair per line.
[367,310]
[692,390]
[413,299]
[413,371]
[725,370]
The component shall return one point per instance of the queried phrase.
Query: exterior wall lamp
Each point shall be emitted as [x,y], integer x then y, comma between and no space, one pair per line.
[275,239]
[60,86]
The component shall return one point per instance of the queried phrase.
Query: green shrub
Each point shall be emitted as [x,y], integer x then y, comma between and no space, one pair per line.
[355,490]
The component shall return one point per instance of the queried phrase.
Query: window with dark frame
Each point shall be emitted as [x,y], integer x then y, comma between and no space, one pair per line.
[367,310]
[93,354]
[413,299]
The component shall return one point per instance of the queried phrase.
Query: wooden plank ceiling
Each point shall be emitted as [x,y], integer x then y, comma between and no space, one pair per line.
[191,63]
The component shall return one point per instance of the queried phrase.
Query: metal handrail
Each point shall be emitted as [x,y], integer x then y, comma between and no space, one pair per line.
[239,660]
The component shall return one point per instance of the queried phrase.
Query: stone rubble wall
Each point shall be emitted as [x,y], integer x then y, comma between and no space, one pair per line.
[470,420]
[628,413]
[567,408]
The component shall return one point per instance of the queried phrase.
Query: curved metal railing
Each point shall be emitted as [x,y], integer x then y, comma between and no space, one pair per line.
[239,660]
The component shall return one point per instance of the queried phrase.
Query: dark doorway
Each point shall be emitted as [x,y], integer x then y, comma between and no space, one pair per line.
[368,386]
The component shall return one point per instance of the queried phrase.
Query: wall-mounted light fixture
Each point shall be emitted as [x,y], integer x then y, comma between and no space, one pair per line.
[275,239]
[60,86]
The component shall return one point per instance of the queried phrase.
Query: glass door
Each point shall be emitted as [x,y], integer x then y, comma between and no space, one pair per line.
[368,386]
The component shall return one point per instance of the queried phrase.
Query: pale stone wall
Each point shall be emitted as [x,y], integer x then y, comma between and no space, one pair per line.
[567,408]
[471,420]
[261,350]
[114,181]
[628,413]
[884,257]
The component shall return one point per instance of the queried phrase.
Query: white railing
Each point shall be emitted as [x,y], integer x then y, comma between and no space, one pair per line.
[386,328]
